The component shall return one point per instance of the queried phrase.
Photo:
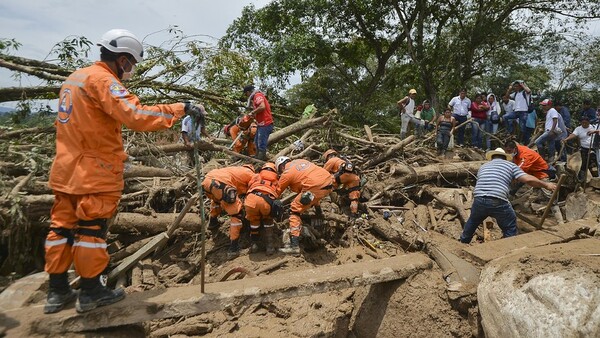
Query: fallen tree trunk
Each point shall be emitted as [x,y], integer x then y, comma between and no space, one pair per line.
[296,127]
[145,171]
[178,147]
[457,170]
[27,131]
[129,222]
[389,153]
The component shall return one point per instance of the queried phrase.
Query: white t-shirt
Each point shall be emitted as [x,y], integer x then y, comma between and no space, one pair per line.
[186,126]
[460,107]
[509,107]
[584,138]
[410,107]
[550,115]
[521,101]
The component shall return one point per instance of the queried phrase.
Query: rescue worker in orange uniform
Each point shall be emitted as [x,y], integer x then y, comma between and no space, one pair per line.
[87,173]
[531,162]
[311,182]
[344,173]
[260,203]
[247,127]
[224,187]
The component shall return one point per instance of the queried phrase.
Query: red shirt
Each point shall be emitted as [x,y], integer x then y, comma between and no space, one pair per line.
[265,117]
[477,113]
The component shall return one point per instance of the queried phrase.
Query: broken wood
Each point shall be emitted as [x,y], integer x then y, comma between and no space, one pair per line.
[287,150]
[129,222]
[145,171]
[128,262]
[389,152]
[298,126]
[177,221]
[411,175]
[180,147]
[552,199]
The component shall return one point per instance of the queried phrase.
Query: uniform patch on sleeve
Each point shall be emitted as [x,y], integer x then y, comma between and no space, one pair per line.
[117,89]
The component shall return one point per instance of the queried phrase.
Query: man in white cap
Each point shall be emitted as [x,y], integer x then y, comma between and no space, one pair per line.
[491,194]
[407,111]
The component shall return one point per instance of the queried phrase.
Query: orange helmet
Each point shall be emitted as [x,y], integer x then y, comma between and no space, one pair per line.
[269,166]
[249,166]
[329,153]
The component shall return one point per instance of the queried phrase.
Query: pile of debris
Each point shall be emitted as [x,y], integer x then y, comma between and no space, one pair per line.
[413,208]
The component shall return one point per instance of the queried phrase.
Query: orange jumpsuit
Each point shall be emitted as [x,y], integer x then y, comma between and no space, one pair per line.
[350,180]
[301,176]
[215,183]
[531,162]
[245,141]
[87,172]
[264,183]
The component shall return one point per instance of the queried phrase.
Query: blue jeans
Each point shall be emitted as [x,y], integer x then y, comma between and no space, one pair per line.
[522,115]
[476,132]
[261,139]
[460,132]
[509,121]
[484,206]
[547,141]
[491,128]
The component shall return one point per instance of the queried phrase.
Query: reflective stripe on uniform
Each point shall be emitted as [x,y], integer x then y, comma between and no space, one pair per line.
[146,112]
[254,226]
[56,242]
[91,245]
[269,225]
[236,224]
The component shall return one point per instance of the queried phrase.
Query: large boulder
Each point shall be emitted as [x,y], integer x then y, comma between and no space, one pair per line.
[549,291]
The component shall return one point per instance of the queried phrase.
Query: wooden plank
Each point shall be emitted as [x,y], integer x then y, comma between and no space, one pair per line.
[188,301]
[128,262]
[369,133]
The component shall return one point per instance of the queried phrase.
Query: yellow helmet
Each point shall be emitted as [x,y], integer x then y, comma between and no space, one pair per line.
[328,153]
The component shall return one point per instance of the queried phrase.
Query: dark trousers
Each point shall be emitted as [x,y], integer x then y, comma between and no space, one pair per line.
[499,209]
[460,132]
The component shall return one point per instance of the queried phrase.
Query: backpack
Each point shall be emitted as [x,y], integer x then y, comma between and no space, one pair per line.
[494,117]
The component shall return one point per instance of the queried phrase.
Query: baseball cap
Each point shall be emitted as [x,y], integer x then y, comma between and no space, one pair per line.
[546,102]
[412,91]
[584,117]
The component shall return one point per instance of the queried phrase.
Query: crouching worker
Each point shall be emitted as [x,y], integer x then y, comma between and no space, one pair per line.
[224,187]
[311,182]
[491,194]
[262,206]
[344,173]
[242,132]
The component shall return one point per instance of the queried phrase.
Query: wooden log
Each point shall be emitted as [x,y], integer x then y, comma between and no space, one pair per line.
[145,171]
[389,152]
[369,132]
[432,216]
[129,250]
[179,147]
[411,175]
[26,131]
[129,222]
[128,262]
[178,220]
[285,151]
[298,126]
[454,203]
[360,140]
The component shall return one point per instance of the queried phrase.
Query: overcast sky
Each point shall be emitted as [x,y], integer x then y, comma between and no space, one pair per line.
[39,24]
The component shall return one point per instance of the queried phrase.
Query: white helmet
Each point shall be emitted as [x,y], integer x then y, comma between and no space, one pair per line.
[281,160]
[122,41]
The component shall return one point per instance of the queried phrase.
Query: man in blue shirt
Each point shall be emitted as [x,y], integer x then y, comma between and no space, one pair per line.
[491,194]
[589,112]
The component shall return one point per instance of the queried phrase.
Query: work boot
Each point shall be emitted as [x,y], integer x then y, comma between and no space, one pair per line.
[59,293]
[293,248]
[261,155]
[270,249]
[93,294]
[234,249]
[213,223]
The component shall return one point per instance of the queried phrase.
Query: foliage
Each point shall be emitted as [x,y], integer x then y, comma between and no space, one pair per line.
[7,44]
[72,52]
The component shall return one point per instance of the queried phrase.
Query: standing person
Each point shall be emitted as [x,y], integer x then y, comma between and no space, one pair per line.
[261,112]
[491,194]
[554,130]
[566,115]
[509,116]
[479,109]
[223,187]
[460,106]
[589,151]
[260,203]
[407,111]
[311,183]
[589,111]
[530,125]
[344,173]
[444,130]
[521,94]
[188,136]
[87,173]
[493,119]
[428,115]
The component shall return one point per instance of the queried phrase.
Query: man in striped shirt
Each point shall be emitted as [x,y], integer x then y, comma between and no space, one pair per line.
[491,194]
